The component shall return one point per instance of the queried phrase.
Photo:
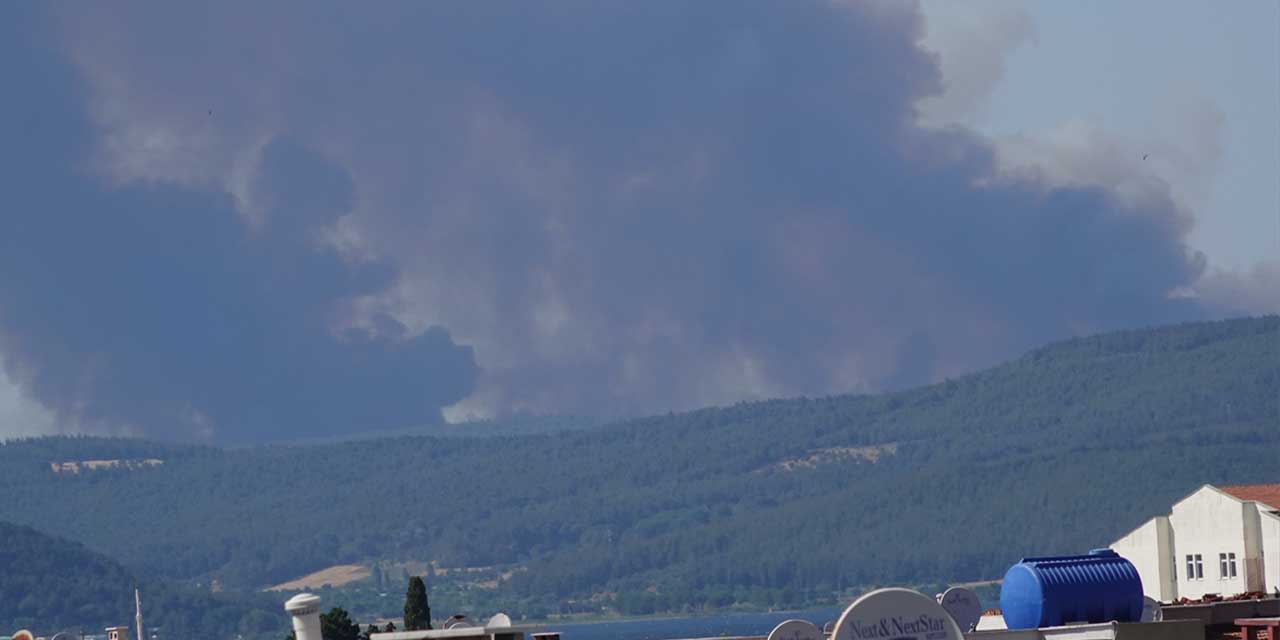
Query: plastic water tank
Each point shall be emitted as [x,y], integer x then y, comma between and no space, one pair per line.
[1050,592]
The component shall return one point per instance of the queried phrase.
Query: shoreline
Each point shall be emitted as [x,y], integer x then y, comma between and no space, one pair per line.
[667,616]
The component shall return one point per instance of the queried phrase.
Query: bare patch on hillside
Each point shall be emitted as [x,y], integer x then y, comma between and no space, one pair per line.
[481,577]
[831,455]
[334,576]
[77,466]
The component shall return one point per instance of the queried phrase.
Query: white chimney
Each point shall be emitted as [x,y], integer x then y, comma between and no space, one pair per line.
[305,609]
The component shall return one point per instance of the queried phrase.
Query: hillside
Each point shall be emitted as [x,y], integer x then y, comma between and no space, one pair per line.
[49,585]
[520,425]
[773,503]
[43,574]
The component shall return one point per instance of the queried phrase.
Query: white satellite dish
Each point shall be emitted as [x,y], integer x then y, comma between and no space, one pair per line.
[499,620]
[899,614]
[964,607]
[795,630]
[1151,611]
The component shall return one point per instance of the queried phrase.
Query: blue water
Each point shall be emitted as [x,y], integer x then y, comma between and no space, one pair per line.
[743,624]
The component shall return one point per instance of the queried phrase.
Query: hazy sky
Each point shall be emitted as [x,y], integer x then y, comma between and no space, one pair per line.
[251,223]
[1194,84]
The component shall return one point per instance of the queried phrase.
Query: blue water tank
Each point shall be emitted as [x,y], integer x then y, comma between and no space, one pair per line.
[1050,592]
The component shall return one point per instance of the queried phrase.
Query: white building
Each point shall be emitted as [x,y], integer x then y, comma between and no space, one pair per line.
[1223,540]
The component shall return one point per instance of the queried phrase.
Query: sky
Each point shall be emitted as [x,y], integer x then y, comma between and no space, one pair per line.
[1194,85]
[243,223]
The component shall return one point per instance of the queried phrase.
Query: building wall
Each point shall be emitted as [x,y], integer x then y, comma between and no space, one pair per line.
[1150,549]
[1270,531]
[1208,523]
[1253,547]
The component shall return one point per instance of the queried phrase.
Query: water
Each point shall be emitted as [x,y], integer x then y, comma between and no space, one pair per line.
[741,624]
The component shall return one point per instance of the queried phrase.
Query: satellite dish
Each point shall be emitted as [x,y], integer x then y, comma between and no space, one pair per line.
[1151,611]
[963,605]
[795,630]
[829,628]
[499,620]
[23,635]
[902,613]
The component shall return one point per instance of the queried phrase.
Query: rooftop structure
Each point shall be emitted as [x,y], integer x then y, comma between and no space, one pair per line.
[498,627]
[1166,630]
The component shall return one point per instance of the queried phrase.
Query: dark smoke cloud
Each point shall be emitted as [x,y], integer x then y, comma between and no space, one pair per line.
[625,207]
[156,307]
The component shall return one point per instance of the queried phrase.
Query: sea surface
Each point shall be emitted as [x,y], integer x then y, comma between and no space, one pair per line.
[738,624]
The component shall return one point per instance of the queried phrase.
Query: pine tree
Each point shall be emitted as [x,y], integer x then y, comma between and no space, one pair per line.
[337,625]
[417,612]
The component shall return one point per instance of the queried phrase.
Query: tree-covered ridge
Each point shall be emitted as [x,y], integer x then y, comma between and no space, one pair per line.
[53,584]
[49,585]
[515,425]
[33,455]
[1061,450]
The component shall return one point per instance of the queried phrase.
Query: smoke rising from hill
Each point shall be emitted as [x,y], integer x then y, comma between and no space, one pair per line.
[285,220]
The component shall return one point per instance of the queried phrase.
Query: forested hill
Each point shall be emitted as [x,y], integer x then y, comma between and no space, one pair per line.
[519,425]
[776,503]
[50,585]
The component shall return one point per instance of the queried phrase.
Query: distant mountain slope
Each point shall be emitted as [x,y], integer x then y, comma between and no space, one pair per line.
[49,585]
[44,576]
[779,502]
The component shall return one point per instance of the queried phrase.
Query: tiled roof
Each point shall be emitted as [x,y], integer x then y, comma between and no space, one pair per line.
[1268,494]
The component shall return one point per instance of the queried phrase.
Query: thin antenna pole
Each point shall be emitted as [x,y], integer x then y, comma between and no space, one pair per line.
[137,601]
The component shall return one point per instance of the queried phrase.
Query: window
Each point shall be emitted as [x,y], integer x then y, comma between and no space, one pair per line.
[1195,567]
[1226,566]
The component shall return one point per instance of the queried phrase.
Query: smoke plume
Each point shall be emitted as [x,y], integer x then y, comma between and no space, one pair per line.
[262,220]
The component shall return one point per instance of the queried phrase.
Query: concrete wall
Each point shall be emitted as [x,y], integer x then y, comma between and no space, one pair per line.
[1269,527]
[1252,547]
[1150,549]
[1167,630]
